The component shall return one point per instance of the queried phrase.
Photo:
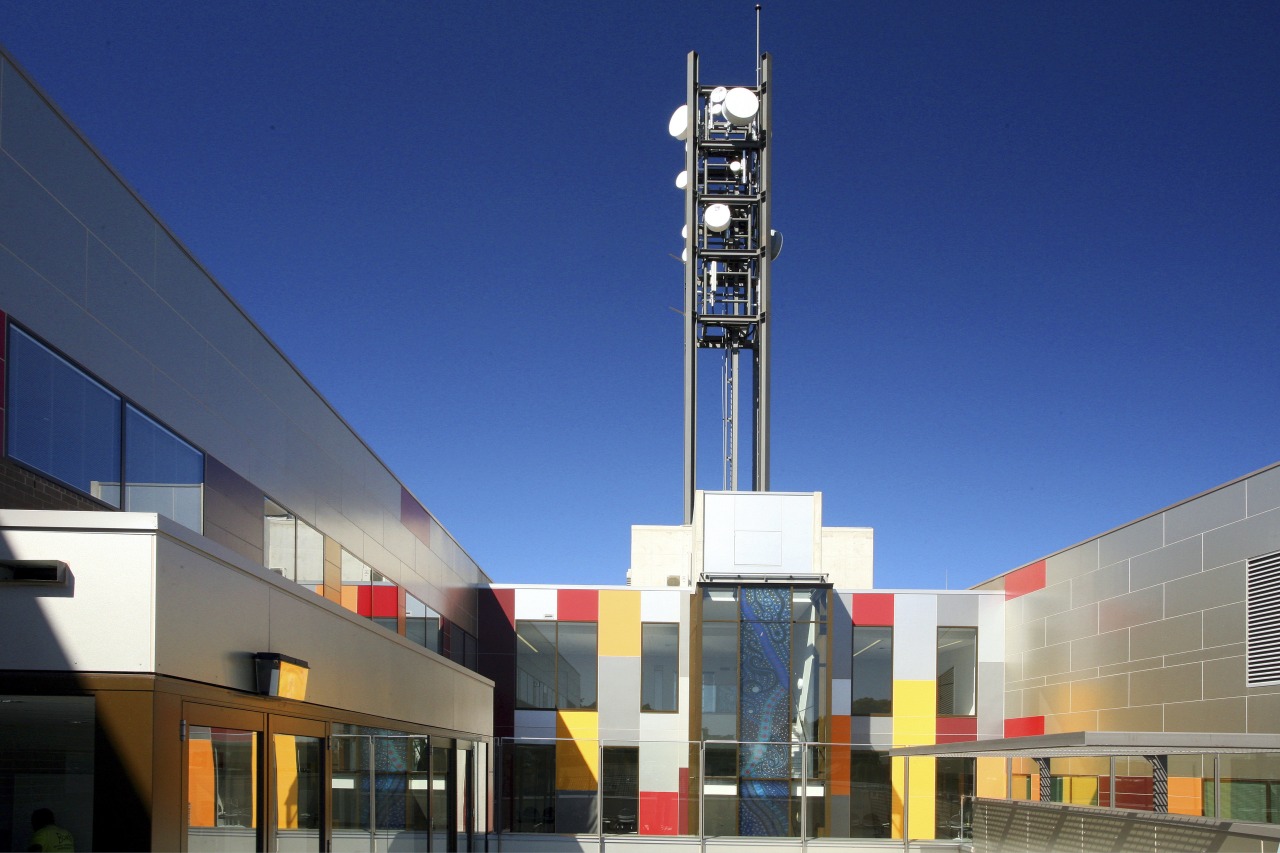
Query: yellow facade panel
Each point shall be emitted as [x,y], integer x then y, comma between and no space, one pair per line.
[990,778]
[620,623]
[920,807]
[915,712]
[577,750]
[1186,795]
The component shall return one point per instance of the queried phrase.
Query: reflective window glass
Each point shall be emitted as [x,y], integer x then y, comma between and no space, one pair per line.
[299,772]
[870,794]
[872,684]
[620,784]
[535,664]
[162,473]
[957,671]
[576,681]
[720,680]
[60,421]
[222,789]
[421,624]
[659,666]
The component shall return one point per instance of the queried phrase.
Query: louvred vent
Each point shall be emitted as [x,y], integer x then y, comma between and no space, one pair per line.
[1262,620]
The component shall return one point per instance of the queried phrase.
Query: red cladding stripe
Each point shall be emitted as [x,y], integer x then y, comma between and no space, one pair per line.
[1024,726]
[957,729]
[1024,580]
[659,812]
[364,600]
[506,599]
[873,608]
[577,605]
[682,817]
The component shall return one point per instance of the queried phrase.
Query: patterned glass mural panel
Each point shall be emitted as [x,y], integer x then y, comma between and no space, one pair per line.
[766,694]
[764,809]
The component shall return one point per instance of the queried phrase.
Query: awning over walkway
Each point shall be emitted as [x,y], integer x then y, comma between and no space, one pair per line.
[1082,744]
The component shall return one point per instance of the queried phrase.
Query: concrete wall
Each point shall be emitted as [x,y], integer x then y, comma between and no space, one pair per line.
[86,266]
[1142,628]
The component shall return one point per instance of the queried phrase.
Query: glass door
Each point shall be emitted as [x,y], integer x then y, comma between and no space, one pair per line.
[297,784]
[222,769]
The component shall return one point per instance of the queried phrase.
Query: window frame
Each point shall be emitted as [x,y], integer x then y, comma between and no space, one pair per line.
[853,665]
[675,709]
[938,674]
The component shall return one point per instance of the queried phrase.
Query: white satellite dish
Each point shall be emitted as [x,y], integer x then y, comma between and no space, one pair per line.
[684,232]
[741,106]
[679,124]
[716,217]
[684,256]
[775,244]
[718,95]
[682,180]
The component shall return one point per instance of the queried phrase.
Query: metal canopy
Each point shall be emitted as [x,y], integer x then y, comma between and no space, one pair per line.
[1088,744]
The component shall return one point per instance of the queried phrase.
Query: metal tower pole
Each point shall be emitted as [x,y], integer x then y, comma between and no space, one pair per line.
[760,479]
[690,284]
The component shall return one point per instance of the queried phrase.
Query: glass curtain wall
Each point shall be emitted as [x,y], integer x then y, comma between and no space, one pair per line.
[763,677]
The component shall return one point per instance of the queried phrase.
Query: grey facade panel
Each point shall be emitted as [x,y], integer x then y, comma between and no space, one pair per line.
[1107,582]
[619,701]
[1256,535]
[1071,625]
[990,700]
[1207,512]
[1100,650]
[1224,625]
[1214,588]
[1133,608]
[1168,636]
[1210,715]
[1224,678]
[957,610]
[63,164]
[1138,538]
[1047,601]
[1263,491]
[45,236]
[1046,661]
[1263,714]
[1167,684]
[1173,561]
[841,635]
[1071,563]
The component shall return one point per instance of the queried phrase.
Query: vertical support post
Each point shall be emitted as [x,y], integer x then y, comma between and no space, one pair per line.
[1217,786]
[1046,783]
[373,799]
[690,278]
[760,478]
[804,796]
[1111,762]
[906,803]
[702,795]
[600,793]
[1159,783]
[498,812]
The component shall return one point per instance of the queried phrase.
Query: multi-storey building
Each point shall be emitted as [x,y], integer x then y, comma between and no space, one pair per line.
[227,625]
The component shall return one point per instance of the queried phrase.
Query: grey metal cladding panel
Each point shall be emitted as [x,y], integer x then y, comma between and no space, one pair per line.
[619,692]
[1224,678]
[1209,715]
[1263,714]
[871,732]
[1071,625]
[127,306]
[40,232]
[61,162]
[686,653]
[990,699]
[1263,491]
[1133,608]
[1173,561]
[1214,588]
[1167,684]
[1137,538]
[1100,650]
[1258,534]
[1107,582]
[1071,563]
[841,636]
[1207,512]
[1166,637]
[957,610]
[1224,625]
[1024,637]
[1050,660]
[1046,601]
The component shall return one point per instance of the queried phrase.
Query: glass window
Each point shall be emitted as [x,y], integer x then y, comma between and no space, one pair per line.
[421,624]
[870,794]
[659,667]
[310,556]
[533,787]
[222,788]
[576,681]
[957,672]
[808,678]
[535,664]
[279,553]
[720,681]
[872,686]
[60,421]
[720,603]
[162,473]
[299,770]
[620,784]
[953,798]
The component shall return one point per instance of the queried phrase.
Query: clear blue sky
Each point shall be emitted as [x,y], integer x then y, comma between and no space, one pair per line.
[1029,291]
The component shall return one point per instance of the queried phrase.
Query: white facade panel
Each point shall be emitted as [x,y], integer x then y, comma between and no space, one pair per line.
[660,605]
[757,512]
[660,765]
[841,695]
[757,549]
[536,604]
[991,628]
[915,648]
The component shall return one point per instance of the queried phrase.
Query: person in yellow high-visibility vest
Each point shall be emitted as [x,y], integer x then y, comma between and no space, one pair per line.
[47,836]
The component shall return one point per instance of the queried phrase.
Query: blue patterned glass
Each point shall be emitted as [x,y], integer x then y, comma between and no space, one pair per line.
[763,809]
[764,714]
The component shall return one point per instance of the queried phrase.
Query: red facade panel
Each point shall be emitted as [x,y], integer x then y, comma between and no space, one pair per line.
[1024,726]
[1024,580]
[873,608]
[578,605]
[957,729]
[659,813]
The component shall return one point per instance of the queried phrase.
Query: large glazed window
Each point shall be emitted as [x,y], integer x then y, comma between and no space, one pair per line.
[659,667]
[61,422]
[872,688]
[162,473]
[957,672]
[555,664]
[421,624]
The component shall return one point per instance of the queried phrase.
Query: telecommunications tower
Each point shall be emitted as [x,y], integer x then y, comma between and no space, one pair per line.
[728,247]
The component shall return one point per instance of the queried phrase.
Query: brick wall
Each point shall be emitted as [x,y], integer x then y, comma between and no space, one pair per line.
[21,489]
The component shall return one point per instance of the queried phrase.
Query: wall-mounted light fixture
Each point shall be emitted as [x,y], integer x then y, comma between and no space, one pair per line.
[280,675]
